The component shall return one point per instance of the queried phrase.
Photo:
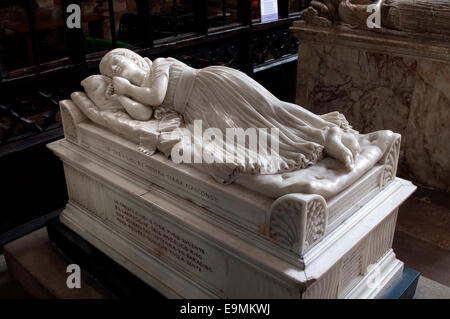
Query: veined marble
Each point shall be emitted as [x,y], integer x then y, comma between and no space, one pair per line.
[382,81]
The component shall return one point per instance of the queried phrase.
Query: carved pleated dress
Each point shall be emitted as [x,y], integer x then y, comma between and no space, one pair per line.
[224,98]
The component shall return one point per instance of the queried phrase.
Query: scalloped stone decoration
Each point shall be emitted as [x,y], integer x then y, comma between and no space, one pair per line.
[285,222]
[297,221]
[69,127]
[315,223]
[390,163]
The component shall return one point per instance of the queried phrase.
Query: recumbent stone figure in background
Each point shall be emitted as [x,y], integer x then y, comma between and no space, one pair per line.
[416,16]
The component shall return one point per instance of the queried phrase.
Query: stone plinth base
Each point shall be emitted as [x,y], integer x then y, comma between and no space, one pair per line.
[181,250]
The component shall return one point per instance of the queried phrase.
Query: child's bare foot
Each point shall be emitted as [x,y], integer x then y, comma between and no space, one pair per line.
[350,141]
[335,148]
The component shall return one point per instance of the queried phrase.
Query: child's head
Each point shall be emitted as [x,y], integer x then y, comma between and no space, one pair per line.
[125,63]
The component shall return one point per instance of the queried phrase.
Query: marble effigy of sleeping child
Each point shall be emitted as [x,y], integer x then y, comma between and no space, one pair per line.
[122,114]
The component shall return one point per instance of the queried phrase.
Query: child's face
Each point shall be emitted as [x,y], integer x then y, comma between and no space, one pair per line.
[126,68]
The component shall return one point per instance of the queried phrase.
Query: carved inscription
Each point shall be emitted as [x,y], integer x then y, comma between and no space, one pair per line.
[161,174]
[166,241]
[178,181]
[124,156]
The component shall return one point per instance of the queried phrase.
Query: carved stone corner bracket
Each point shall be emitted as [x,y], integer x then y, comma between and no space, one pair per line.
[390,161]
[70,117]
[298,221]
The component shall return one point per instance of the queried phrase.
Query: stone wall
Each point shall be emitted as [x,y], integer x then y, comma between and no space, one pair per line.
[382,81]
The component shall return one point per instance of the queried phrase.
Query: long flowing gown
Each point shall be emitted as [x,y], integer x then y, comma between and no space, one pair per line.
[224,98]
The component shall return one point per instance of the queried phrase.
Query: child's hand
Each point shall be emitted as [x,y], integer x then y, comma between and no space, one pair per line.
[121,85]
[109,91]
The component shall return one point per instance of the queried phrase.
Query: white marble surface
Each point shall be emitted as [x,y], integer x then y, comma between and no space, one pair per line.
[256,211]
[327,178]
[223,100]
[182,251]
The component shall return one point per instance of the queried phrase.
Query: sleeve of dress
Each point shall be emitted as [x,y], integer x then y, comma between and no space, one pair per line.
[159,80]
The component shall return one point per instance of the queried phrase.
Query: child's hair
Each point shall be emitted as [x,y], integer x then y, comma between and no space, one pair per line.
[105,64]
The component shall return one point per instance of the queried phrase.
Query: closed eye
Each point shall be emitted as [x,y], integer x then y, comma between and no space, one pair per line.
[116,69]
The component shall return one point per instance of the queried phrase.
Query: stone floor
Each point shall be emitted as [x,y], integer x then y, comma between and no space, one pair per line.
[422,237]
[9,289]
[422,242]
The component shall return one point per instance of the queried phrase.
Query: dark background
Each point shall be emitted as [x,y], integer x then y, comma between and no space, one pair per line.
[32,179]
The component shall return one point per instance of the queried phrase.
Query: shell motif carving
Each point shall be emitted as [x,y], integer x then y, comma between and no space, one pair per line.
[297,221]
[315,223]
[285,222]
[69,127]
[390,163]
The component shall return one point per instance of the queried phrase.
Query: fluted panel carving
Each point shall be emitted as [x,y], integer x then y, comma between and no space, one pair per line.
[351,269]
[85,191]
[326,287]
[380,240]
